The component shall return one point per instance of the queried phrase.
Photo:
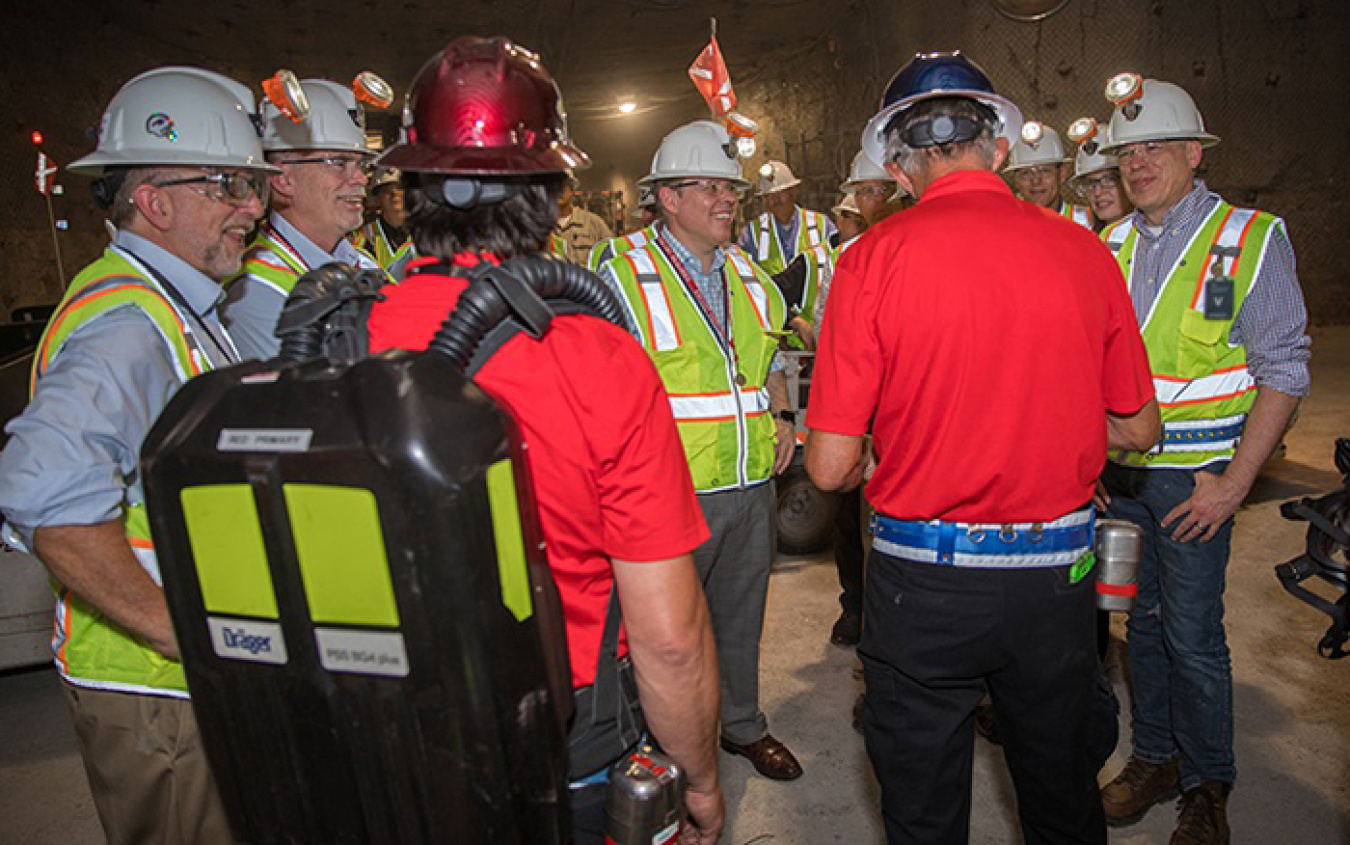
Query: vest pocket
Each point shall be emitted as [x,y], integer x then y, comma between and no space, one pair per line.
[1199,341]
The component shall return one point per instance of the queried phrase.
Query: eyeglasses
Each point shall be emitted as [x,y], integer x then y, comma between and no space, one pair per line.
[711,187]
[1101,182]
[1148,151]
[234,187]
[1033,174]
[348,166]
[878,191]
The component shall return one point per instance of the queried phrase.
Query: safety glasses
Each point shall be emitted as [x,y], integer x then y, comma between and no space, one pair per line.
[232,187]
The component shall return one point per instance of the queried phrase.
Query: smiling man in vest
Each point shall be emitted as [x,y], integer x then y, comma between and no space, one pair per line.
[184,180]
[708,316]
[317,200]
[1036,169]
[1222,315]
[784,231]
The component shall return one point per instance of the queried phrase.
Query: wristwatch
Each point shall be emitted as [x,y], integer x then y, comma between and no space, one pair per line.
[789,417]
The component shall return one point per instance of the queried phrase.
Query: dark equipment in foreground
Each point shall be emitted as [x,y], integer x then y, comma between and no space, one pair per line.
[1326,556]
[371,636]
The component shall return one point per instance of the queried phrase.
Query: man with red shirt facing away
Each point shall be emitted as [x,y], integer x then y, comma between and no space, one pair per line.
[484,155]
[991,347]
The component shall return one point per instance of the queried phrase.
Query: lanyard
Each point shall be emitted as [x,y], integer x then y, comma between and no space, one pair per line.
[229,355]
[723,337]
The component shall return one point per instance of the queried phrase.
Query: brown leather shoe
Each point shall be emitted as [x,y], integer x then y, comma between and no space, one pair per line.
[1139,786]
[1204,815]
[770,758]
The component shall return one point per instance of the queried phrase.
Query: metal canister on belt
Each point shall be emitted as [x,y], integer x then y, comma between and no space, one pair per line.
[645,801]
[1120,546]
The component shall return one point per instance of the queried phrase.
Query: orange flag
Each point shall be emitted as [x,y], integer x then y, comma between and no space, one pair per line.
[712,80]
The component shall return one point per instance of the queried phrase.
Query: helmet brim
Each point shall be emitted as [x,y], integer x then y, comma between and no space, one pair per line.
[653,181]
[96,163]
[1206,141]
[483,161]
[778,188]
[874,135]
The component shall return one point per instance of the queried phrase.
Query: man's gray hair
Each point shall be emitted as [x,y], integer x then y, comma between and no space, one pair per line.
[913,160]
[123,208]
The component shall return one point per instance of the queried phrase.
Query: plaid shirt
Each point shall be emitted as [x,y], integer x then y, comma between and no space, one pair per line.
[1272,323]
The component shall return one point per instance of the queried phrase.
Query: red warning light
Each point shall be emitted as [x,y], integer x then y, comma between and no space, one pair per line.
[37,139]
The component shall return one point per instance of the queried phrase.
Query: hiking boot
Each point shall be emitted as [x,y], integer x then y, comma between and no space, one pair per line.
[1139,786]
[1203,819]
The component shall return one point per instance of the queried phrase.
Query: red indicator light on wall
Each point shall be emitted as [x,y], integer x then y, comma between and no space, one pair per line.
[37,139]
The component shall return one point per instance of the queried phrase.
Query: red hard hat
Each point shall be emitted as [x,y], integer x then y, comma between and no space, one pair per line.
[484,106]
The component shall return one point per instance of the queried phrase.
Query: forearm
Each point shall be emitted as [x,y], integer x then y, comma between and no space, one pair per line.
[671,644]
[96,563]
[776,384]
[1138,432]
[1266,424]
[834,461]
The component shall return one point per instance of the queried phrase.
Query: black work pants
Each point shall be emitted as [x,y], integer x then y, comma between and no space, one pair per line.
[936,637]
[848,550]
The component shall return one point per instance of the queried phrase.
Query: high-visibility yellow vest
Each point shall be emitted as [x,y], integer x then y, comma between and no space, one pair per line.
[820,261]
[1077,213]
[616,246]
[559,246]
[272,261]
[812,229]
[725,427]
[1203,386]
[92,650]
[372,239]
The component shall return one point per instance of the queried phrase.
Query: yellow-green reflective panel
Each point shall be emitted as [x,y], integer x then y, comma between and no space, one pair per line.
[340,547]
[227,549]
[511,569]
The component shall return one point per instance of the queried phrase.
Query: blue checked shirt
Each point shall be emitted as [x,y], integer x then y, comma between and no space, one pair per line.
[1272,323]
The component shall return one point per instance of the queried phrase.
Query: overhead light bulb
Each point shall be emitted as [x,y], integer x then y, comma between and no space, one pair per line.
[1123,87]
[627,107]
[1032,132]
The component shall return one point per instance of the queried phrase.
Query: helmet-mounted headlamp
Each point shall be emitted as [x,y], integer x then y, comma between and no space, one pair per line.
[742,131]
[369,88]
[1083,132]
[283,91]
[1032,132]
[766,170]
[1122,90]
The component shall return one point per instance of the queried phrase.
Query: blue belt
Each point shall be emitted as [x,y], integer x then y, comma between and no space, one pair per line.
[1176,436]
[1008,545]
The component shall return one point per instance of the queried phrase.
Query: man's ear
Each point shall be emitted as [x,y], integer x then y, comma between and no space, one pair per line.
[900,176]
[1194,152]
[283,183]
[155,205]
[1000,151]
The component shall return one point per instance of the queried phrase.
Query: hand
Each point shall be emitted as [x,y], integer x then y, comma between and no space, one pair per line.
[869,461]
[785,446]
[707,815]
[1100,498]
[805,331]
[1213,502]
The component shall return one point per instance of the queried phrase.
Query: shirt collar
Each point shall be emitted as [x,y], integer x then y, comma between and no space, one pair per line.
[310,252]
[687,258]
[963,181]
[1178,216]
[201,293]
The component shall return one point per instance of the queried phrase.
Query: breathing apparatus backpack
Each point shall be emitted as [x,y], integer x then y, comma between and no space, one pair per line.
[1325,557]
[349,548]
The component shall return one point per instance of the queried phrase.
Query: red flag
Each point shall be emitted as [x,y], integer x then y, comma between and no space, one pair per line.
[712,80]
[46,169]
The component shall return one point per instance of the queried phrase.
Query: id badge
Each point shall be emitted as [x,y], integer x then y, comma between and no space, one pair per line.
[1219,299]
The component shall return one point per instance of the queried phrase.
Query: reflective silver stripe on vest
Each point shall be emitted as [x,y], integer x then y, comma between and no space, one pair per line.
[1205,389]
[812,221]
[766,231]
[758,295]
[664,337]
[1175,434]
[1226,246]
[718,406]
[1115,236]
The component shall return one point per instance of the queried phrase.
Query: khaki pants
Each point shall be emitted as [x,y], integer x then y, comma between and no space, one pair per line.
[147,769]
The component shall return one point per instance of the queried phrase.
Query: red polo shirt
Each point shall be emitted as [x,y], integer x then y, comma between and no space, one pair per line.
[982,339]
[608,471]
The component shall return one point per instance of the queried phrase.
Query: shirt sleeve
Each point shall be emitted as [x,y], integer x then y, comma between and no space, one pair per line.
[646,494]
[1273,321]
[73,455]
[250,313]
[1127,377]
[847,380]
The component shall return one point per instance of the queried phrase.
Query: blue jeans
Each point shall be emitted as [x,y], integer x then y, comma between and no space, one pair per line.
[1179,661]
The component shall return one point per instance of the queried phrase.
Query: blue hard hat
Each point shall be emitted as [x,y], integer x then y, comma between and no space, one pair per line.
[930,75]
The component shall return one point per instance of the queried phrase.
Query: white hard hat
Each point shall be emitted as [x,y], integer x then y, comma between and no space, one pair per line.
[385,176]
[701,149]
[849,203]
[336,121]
[1090,158]
[1150,110]
[1037,144]
[864,170]
[646,197]
[775,176]
[177,116]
